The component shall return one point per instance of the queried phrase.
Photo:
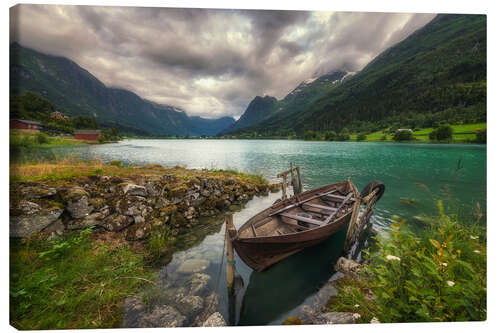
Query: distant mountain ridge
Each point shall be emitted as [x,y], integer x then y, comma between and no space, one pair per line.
[308,91]
[74,90]
[437,74]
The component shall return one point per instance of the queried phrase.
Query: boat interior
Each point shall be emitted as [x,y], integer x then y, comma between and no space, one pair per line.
[302,215]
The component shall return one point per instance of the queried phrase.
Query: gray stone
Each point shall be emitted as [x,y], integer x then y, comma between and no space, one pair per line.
[88,221]
[38,191]
[347,266]
[138,231]
[116,222]
[162,316]
[34,220]
[215,320]
[133,309]
[80,207]
[198,283]
[188,304]
[193,266]
[133,189]
[55,229]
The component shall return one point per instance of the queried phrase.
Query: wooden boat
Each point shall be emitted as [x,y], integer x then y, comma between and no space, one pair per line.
[293,224]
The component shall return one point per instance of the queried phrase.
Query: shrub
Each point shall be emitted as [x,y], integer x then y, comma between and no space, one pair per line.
[439,275]
[361,137]
[481,136]
[442,133]
[383,138]
[403,135]
[343,135]
[330,136]
[42,138]
[310,135]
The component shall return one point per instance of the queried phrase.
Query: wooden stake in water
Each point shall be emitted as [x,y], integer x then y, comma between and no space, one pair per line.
[230,263]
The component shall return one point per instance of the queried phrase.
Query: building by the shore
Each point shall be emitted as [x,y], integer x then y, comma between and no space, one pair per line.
[87,134]
[25,125]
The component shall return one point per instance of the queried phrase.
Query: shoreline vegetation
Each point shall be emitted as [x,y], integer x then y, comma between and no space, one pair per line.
[85,235]
[435,274]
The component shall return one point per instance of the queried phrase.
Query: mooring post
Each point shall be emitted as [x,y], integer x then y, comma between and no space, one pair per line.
[300,179]
[283,188]
[230,263]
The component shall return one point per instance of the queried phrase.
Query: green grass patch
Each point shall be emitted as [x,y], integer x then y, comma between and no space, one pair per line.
[72,282]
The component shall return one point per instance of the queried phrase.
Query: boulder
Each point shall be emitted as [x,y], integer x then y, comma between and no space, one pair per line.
[32,219]
[347,266]
[37,191]
[131,206]
[210,306]
[55,229]
[116,222]
[162,316]
[133,189]
[193,266]
[77,202]
[188,304]
[87,221]
[198,283]
[215,320]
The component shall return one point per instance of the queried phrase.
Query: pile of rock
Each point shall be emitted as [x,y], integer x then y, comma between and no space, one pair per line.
[130,205]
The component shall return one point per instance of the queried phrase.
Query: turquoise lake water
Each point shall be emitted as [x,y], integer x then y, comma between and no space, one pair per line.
[415,175]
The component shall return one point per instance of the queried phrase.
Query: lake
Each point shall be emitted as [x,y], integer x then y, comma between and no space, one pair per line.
[415,175]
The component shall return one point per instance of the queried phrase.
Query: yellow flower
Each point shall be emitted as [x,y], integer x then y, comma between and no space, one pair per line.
[443,245]
[459,251]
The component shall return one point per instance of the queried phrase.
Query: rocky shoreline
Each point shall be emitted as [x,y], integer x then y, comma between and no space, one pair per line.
[129,206]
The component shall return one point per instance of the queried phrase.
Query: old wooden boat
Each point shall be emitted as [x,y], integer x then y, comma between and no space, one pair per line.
[293,224]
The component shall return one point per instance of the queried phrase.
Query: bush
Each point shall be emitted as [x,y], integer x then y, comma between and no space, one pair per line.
[330,136]
[442,133]
[361,137]
[42,138]
[343,135]
[481,136]
[403,135]
[311,135]
[383,138]
[439,275]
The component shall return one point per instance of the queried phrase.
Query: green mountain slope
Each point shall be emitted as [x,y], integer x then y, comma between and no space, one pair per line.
[77,92]
[436,74]
[259,108]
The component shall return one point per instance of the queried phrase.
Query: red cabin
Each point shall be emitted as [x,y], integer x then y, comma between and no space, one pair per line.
[91,135]
[25,124]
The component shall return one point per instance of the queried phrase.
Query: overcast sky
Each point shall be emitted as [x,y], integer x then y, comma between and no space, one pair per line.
[210,63]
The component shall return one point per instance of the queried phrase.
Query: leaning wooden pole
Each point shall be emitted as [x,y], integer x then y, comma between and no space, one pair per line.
[230,263]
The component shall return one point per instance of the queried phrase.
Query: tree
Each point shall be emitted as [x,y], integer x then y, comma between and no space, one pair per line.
[361,137]
[403,135]
[330,136]
[310,135]
[442,133]
[481,136]
[343,135]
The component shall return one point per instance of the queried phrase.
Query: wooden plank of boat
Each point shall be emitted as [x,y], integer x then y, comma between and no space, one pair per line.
[337,197]
[294,225]
[303,219]
[322,207]
[332,215]
[302,202]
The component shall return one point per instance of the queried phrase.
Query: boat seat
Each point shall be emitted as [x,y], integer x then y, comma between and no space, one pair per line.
[322,207]
[303,219]
[338,198]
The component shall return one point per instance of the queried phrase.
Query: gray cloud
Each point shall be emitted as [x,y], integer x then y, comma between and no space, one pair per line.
[210,62]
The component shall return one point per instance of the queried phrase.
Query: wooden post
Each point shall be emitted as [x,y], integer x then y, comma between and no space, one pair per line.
[230,264]
[352,224]
[283,188]
[300,179]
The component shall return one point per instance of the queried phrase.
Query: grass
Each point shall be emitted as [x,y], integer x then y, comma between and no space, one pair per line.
[72,282]
[34,139]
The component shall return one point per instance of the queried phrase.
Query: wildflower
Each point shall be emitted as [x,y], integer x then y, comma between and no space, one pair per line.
[477,251]
[391,257]
[450,283]
[459,251]
[474,237]
[443,245]
[444,264]
[356,316]
[356,305]
[374,321]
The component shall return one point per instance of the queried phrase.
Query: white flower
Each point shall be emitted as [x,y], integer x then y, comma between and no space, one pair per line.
[356,305]
[474,237]
[374,321]
[477,251]
[391,257]
[356,315]
[450,283]
[444,264]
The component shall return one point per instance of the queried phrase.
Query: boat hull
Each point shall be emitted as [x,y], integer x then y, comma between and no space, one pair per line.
[261,252]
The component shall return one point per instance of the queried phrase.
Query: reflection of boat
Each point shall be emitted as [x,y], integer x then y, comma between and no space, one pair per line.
[295,223]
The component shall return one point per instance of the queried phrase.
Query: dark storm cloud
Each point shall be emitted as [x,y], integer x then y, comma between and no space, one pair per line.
[210,62]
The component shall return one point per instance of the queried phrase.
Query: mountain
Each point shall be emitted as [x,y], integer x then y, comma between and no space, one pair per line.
[75,91]
[306,93]
[258,109]
[436,74]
